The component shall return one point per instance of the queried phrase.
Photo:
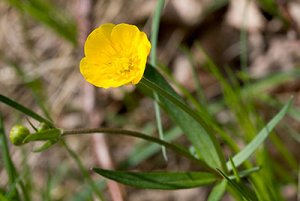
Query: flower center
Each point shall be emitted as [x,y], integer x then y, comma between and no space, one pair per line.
[124,65]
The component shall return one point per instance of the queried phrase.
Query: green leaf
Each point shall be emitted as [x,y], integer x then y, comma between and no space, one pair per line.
[190,122]
[5,155]
[245,173]
[235,171]
[218,191]
[3,198]
[243,155]
[45,146]
[13,177]
[246,192]
[159,180]
[24,110]
[51,134]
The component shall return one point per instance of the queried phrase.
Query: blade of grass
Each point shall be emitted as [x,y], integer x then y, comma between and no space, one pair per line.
[235,171]
[8,164]
[218,191]
[247,193]
[24,110]
[154,38]
[243,155]
[245,173]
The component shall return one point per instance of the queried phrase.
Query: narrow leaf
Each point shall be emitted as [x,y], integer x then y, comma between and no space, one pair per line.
[243,155]
[190,121]
[51,134]
[24,110]
[218,191]
[45,146]
[245,173]
[159,180]
[154,34]
[5,155]
[246,192]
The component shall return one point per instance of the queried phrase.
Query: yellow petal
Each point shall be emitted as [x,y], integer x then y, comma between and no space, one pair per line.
[94,73]
[144,43]
[141,65]
[98,44]
[125,37]
[102,75]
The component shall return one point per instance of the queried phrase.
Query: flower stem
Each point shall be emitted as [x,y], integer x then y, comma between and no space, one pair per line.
[113,131]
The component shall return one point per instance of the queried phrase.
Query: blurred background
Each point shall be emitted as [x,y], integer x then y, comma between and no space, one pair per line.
[41,44]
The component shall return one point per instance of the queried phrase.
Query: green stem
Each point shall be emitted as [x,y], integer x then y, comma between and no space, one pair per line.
[170,146]
[84,172]
[154,37]
[9,166]
[154,31]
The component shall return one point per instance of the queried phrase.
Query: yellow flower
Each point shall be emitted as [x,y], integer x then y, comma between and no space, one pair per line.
[115,55]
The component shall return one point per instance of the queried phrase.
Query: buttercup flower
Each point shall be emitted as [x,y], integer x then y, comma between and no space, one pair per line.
[115,55]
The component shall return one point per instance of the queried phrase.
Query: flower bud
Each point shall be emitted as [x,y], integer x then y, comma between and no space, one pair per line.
[17,134]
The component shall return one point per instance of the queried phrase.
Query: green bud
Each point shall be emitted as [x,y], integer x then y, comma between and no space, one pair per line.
[17,134]
[42,127]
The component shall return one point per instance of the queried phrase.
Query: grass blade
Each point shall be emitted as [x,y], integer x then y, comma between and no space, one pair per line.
[24,110]
[159,180]
[245,173]
[218,191]
[8,164]
[243,155]
[154,39]
[247,193]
